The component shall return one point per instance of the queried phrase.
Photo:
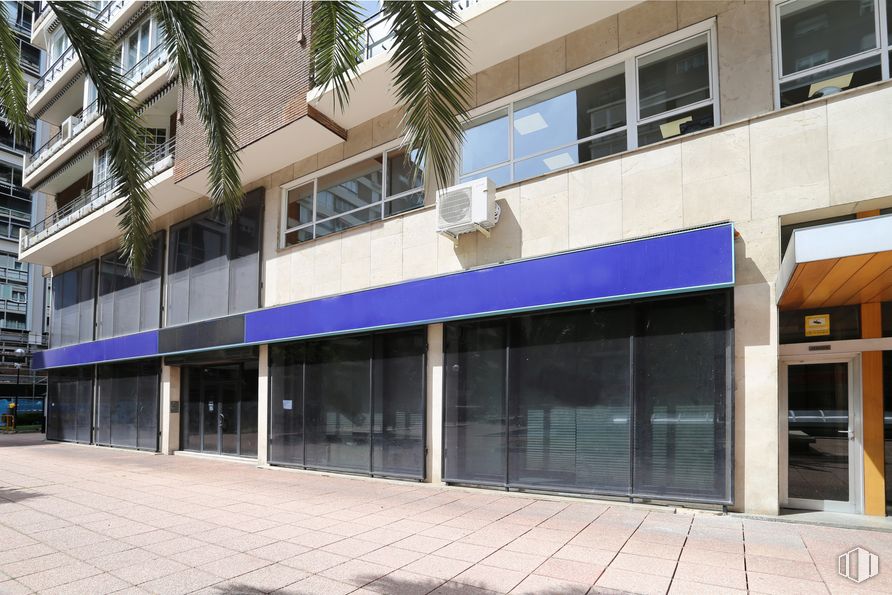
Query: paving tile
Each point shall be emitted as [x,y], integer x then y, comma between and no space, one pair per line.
[351,548]
[278,551]
[654,550]
[201,555]
[47,579]
[710,575]
[148,570]
[234,565]
[782,567]
[34,550]
[263,580]
[683,587]
[36,564]
[401,582]
[570,570]
[632,582]
[420,543]
[356,572]
[589,555]
[644,564]
[100,583]
[514,561]
[783,585]
[465,551]
[391,556]
[181,582]
[712,558]
[531,545]
[11,587]
[318,585]
[490,577]
[454,588]
[536,584]
[118,560]
[438,567]
[95,550]
[315,561]
[314,539]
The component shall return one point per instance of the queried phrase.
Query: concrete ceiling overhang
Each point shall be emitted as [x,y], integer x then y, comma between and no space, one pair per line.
[838,264]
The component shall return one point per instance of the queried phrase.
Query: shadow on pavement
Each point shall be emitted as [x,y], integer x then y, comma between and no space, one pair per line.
[16,494]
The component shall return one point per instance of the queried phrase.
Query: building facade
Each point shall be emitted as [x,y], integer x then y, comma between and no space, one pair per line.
[23,290]
[684,298]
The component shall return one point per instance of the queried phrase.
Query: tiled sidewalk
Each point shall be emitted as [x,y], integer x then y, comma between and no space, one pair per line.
[88,520]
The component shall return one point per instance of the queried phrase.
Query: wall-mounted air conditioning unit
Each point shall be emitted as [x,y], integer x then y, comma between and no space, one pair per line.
[68,126]
[467,207]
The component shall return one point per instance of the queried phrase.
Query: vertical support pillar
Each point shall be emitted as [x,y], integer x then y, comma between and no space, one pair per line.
[872,413]
[170,421]
[434,414]
[263,407]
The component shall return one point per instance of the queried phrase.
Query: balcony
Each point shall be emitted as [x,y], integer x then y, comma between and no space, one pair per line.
[101,195]
[86,124]
[16,275]
[59,70]
[378,34]
[13,306]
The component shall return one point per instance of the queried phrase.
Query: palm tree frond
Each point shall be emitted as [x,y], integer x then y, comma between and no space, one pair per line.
[13,89]
[124,136]
[336,47]
[429,64]
[187,40]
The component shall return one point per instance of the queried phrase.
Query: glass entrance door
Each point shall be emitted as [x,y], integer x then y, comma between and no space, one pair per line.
[821,435]
[220,409]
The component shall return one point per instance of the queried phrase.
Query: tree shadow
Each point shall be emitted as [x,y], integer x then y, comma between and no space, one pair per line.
[8,494]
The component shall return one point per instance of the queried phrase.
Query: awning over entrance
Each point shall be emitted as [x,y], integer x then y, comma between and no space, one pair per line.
[838,264]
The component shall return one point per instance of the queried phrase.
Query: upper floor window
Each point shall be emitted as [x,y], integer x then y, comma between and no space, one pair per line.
[128,304]
[369,190]
[642,98]
[19,15]
[214,267]
[58,44]
[827,46]
[138,45]
[74,294]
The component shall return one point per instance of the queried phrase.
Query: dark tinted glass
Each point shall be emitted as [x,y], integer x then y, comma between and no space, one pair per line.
[474,420]
[127,405]
[817,422]
[398,405]
[70,404]
[286,404]
[337,404]
[219,412]
[126,304]
[248,412]
[887,419]
[681,398]
[74,295]
[354,404]
[570,400]
[845,323]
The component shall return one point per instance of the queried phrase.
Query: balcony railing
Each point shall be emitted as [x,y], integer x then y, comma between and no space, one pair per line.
[111,10]
[17,275]
[378,33]
[40,13]
[52,73]
[136,75]
[159,159]
[7,305]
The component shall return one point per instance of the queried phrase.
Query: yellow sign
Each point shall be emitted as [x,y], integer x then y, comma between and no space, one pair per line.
[817,325]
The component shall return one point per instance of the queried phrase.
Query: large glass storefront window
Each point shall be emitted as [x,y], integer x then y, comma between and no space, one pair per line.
[629,399]
[128,304]
[214,267]
[127,405]
[74,293]
[350,404]
[69,409]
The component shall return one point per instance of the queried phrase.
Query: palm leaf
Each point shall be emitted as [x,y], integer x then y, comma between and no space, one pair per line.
[186,39]
[429,64]
[123,133]
[336,47]
[13,89]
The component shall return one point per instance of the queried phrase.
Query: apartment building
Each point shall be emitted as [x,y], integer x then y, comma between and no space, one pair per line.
[684,296]
[22,286]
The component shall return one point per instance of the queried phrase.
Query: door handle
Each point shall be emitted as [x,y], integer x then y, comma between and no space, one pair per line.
[849,433]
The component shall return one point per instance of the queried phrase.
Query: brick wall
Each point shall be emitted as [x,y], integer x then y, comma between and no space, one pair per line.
[264,67]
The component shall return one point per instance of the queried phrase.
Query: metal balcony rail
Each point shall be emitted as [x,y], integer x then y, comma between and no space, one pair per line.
[13,274]
[378,32]
[16,307]
[53,71]
[14,190]
[39,13]
[111,10]
[136,75]
[159,158]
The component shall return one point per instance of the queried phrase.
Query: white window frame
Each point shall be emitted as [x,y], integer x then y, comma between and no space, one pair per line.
[630,60]
[883,48]
[381,151]
[154,42]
